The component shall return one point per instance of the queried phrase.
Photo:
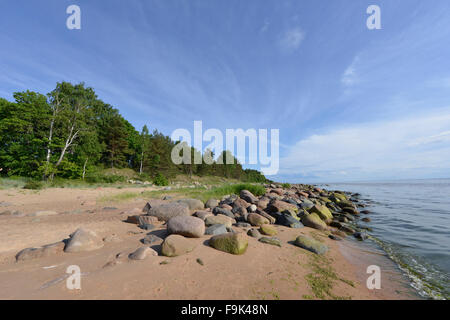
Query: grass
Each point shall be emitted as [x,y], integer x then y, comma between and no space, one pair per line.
[322,279]
[199,193]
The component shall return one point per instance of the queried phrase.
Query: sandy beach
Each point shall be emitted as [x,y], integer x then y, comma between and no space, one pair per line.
[263,272]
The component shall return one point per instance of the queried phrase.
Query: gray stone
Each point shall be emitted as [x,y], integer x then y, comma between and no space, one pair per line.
[83,240]
[142,253]
[225,212]
[176,245]
[311,244]
[187,226]
[248,196]
[193,204]
[211,203]
[216,229]
[254,233]
[41,252]
[166,211]
[150,239]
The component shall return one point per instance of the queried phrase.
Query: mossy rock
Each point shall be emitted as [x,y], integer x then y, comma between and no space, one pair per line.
[340,196]
[268,230]
[272,241]
[323,212]
[312,220]
[311,244]
[234,243]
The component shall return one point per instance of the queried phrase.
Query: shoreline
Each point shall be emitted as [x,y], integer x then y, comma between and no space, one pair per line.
[259,277]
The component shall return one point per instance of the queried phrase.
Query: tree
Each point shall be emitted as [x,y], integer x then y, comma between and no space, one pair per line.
[144,145]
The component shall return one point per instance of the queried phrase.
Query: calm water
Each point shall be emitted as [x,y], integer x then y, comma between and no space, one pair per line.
[411,223]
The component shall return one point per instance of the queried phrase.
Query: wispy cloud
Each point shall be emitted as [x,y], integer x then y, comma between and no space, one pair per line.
[392,148]
[292,39]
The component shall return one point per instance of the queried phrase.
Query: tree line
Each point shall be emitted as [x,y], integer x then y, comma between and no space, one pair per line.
[71,133]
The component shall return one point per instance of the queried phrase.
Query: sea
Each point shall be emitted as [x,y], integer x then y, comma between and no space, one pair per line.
[410,223]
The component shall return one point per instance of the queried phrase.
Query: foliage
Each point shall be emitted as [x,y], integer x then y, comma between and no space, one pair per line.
[160,180]
[33,185]
[70,133]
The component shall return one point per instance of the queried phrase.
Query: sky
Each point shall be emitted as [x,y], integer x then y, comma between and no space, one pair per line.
[351,104]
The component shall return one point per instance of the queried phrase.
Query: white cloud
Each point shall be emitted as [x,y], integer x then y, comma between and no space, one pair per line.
[394,148]
[350,77]
[291,39]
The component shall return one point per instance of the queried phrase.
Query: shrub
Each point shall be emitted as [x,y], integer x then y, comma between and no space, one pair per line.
[33,185]
[160,180]
[286,185]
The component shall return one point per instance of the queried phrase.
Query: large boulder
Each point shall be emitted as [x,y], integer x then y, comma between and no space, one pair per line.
[312,220]
[240,203]
[263,203]
[83,240]
[225,212]
[219,219]
[271,219]
[166,211]
[323,212]
[248,196]
[285,219]
[41,252]
[187,226]
[280,206]
[234,243]
[311,244]
[193,204]
[257,220]
[211,203]
[176,245]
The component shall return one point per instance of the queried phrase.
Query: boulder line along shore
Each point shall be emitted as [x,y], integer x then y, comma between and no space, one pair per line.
[224,225]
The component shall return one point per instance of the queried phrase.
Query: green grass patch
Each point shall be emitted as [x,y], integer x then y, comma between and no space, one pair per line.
[322,279]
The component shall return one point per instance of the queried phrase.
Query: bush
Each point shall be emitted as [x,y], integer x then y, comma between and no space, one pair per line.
[286,185]
[256,189]
[160,180]
[33,185]
[101,178]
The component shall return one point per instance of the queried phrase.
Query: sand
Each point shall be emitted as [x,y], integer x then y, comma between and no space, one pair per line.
[263,272]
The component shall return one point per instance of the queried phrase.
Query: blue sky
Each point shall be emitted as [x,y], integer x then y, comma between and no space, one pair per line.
[350,103]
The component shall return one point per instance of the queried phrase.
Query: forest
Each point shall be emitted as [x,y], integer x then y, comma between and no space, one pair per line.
[70,133]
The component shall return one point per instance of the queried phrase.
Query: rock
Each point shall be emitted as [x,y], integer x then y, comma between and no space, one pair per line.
[263,203]
[109,208]
[334,237]
[366,219]
[167,198]
[202,214]
[311,244]
[365,211]
[216,229]
[252,208]
[83,240]
[225,212]
[211,203]
[285,219]
[240,203]
[243,225]
[142,253]
[312,220]
[176,245]
[257,220]
[41,252]
[336,224]
[306,204]
[133,219]
[5,204]
[147,226]
[350,210]
[360,236]
[226,206]
[271,219]
[166,211]
[219,219]
[323,212]
[200,261]
[187,226]
[339,233]
[273,241]
[280,206]
[268,230]
[278,191]
[147,220]
[254,233]
[193,204]
[43,213]
[150,239]
[248,196]
[234,243]
[347,229]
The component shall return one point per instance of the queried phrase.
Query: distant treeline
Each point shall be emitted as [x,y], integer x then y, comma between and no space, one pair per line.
[70,133]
